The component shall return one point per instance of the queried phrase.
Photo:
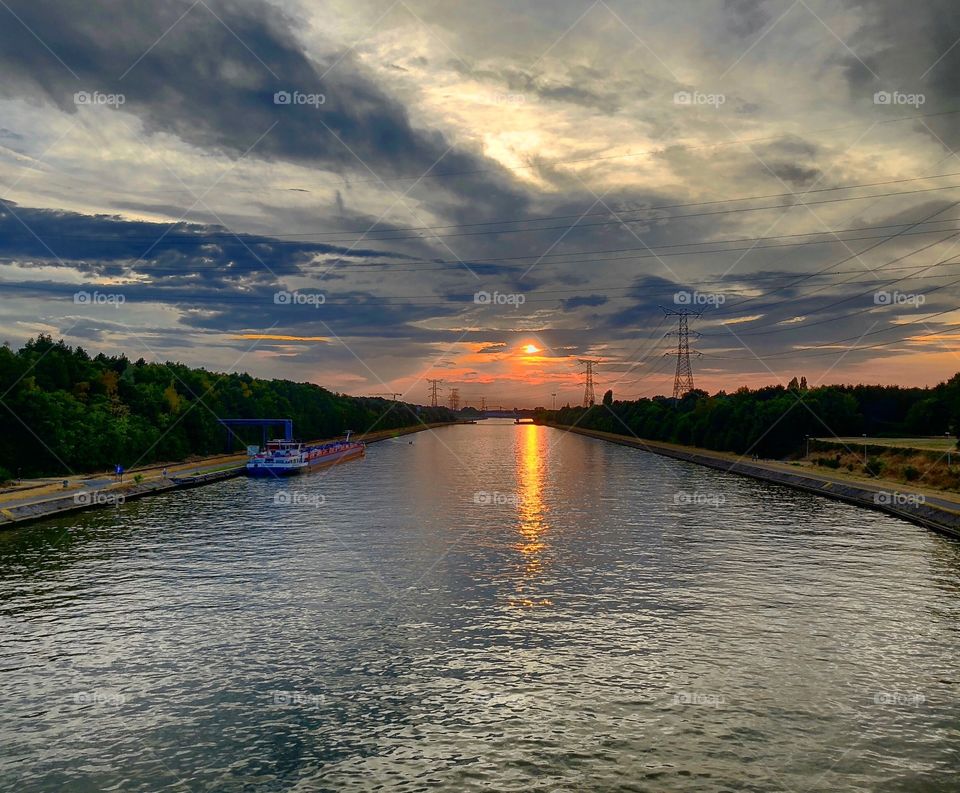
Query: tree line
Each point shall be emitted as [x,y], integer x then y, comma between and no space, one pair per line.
[775,421]
[63,411]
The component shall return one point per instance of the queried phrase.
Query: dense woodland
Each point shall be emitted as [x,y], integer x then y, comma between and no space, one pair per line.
[774,421]
[62,411]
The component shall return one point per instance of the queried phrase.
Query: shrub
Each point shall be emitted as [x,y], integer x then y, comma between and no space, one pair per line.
[910,473]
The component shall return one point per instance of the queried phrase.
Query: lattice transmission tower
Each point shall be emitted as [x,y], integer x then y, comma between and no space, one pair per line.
[434,390]
[683,380]
[454,399]
[589,397]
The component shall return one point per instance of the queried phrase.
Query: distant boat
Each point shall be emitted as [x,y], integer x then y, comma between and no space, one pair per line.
[286,458]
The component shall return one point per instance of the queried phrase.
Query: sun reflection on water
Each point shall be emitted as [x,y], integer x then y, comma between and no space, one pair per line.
[532,517]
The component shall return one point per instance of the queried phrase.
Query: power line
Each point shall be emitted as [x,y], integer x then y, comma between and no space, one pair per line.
[802,326]
[652,251]
[847,258]
[804,351]
[274,239]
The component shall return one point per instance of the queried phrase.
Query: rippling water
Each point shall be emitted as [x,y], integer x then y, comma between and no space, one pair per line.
[490,607]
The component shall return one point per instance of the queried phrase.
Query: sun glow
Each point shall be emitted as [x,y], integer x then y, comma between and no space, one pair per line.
[530,349]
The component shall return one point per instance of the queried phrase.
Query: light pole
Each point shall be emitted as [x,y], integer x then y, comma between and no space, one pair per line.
[808,444]
[865,450]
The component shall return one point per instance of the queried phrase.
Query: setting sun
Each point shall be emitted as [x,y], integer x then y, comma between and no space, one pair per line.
[531,349]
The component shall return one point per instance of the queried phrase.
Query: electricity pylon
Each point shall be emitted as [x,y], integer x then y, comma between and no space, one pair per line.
[454,399]
[589,397]
[683,380]
[434,388]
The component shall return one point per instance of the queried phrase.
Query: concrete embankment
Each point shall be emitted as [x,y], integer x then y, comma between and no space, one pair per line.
[33,502]
[937,511]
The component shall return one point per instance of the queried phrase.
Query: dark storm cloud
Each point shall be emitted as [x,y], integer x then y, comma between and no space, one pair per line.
[912,51]
[585,300]
[211,81]
[794,174]
[745,17]
[219,282]
[108,245]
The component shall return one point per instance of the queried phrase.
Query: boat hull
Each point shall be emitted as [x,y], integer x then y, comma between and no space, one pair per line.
[273,470]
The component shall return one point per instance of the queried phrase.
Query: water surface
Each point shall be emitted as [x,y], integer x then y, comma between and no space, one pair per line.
[489,607]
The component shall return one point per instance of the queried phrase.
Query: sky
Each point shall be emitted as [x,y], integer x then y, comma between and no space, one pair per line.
[370,194]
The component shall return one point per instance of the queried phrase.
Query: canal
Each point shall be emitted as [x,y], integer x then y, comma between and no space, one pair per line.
[489,607]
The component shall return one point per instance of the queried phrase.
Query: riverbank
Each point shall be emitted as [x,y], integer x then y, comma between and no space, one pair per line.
[934,510]
[34,500]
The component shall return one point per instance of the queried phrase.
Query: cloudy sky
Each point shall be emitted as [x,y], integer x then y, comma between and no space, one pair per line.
[368,194]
